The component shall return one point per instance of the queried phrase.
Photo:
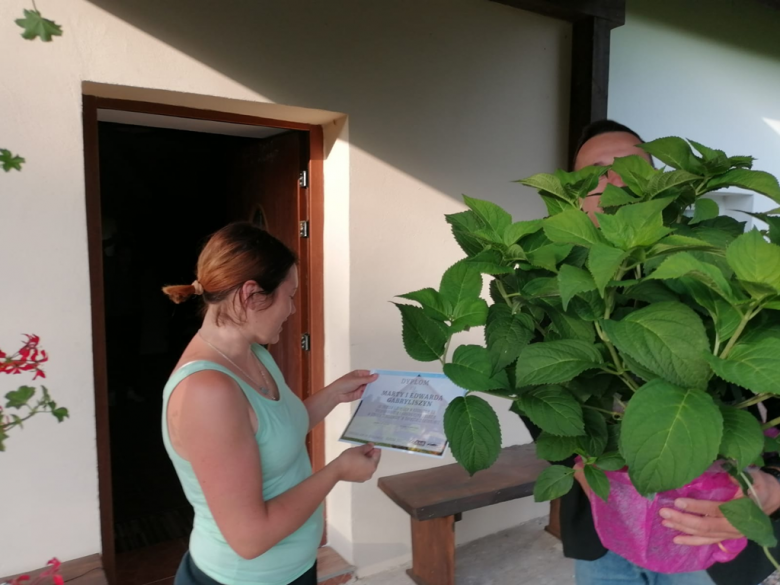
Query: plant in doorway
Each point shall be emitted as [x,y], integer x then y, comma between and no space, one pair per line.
[22,404]
[639,344]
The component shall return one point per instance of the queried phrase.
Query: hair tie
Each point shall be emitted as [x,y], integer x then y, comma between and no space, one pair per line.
[198,288]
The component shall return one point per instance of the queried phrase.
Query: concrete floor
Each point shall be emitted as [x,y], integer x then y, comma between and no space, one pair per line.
[525,555]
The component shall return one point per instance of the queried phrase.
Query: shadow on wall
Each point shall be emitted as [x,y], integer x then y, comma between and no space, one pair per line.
[425,84]
[750,25]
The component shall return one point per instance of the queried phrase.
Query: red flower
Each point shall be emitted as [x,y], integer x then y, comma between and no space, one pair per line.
[28,359]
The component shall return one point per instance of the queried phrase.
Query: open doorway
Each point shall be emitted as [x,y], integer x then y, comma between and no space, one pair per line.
[158,186]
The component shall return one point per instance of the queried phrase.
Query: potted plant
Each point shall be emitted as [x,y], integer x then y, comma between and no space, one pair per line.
[636,341]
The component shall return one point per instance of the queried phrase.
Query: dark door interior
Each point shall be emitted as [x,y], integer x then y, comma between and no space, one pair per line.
[162,193]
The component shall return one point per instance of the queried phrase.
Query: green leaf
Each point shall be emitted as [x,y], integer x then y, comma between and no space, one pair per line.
[598,482]
[519,229]
[603,263]
[496,220]
[611,462]
[705,209]
[472,428]
[424,338]
[755,260]
[548,257]
[707,153]
[670,436]
[640,224]
[615,197]
[662,182]
[472,369]
[554,410]
[666,338]
[675,152]
[588,306]
[506,334]
[553,448]
[464,225]
[649,291]
[684,264]
[19,397]
[35,25]
[571,327]
[572,281]
[572,226]
[741,161]
[554,362]
[758,181]
[553,482]
[470,314]
[3,437]
[553,204]
[743,439]
[635,172]
[755,366]
[549,184]
[744,515]
[60,414]
[489,262]
[594,441]
[10,161]
[460,285]
[678,243]
[433,304]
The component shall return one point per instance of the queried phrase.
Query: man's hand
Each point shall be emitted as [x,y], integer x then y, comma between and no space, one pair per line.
[703,523]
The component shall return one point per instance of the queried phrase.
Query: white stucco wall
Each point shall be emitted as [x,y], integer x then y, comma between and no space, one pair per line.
[443,98]
[706,70]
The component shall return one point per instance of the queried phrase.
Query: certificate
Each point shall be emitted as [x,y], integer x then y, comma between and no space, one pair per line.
[404,411]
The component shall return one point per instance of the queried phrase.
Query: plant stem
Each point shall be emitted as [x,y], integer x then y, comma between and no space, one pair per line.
[771,558]
[443,358]
[749,314]
[505,296]
[611,412]
[755,400]
[771,423]
[35,7]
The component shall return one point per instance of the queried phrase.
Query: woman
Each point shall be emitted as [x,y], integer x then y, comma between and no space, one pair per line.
[236,433]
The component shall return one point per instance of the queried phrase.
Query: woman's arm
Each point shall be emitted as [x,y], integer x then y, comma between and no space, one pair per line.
[346,389]
[216,433]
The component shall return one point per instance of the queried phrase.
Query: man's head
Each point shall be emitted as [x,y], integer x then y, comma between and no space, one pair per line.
[600,144]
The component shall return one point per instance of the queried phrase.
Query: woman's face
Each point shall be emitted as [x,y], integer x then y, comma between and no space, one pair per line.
[265,321]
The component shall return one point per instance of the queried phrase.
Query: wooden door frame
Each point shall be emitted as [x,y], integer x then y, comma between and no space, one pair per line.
[311,263]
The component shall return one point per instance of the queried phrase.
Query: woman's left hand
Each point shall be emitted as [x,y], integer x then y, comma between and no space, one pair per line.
[702,522]
[350,387]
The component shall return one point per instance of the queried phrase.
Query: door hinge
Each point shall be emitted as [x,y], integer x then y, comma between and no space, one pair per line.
[303,179]
[305,342]
[303,229]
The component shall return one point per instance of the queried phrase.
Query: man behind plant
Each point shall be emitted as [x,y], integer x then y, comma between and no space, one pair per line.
[701,522]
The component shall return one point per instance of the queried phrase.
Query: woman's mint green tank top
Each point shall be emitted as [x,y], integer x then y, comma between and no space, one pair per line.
[281,438]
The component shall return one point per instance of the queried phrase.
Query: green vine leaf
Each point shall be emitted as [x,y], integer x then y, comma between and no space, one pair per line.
[743,439]
[35,26]
[598,482]
[10,161]
[472,369]
[19,397]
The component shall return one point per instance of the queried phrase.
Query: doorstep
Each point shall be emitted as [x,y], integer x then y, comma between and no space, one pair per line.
[332,569]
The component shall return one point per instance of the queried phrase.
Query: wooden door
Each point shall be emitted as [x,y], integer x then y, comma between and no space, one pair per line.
[270,193]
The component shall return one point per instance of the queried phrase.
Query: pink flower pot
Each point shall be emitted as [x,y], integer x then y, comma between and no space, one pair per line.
[629,524]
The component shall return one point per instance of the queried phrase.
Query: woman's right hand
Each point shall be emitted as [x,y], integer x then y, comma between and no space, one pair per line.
[358,464]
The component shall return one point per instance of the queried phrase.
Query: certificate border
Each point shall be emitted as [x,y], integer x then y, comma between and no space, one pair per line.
[403,449]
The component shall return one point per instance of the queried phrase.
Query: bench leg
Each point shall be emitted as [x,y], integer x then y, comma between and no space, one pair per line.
[554,527]
[433,551]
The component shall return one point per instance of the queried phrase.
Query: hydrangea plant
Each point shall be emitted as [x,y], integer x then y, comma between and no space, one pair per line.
[637,338]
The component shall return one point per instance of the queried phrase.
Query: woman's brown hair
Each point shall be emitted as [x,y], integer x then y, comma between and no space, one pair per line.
[238,253]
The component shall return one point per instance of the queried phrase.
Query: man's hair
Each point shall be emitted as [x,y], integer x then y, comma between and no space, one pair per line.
[600,127]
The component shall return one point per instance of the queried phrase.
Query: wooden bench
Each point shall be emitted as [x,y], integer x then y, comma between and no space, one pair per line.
[436,498]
